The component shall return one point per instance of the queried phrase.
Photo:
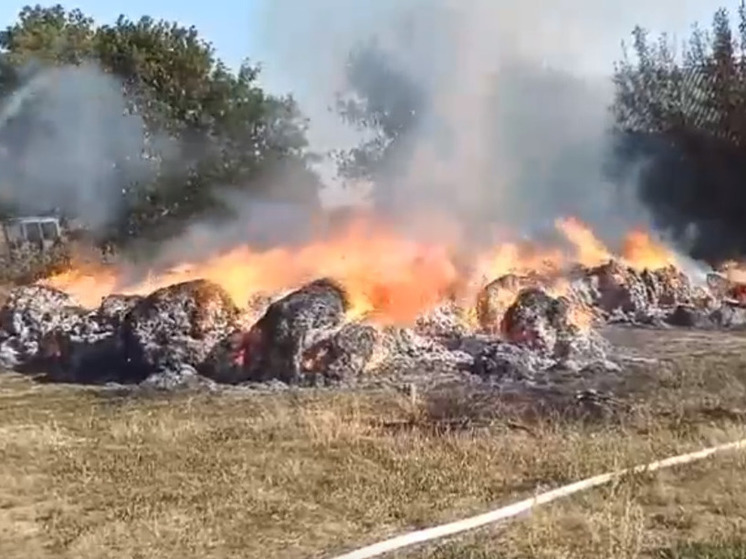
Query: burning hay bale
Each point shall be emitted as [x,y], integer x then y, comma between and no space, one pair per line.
[547,325]
[610,292]
[721,305]
[343,355]
[721,287]
[495,298]
[92,351]
[667,287]
[44,330]
[277,346]
[128,338]
[28,316]
[729,291]
[183,330]
[177,327]
[191,331]
[625,294]
[447,323]
[34,309]
[538,321]
[618,289]
[539,336]
[89,353]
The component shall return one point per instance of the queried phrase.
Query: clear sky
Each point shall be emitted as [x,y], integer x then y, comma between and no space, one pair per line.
[225,23]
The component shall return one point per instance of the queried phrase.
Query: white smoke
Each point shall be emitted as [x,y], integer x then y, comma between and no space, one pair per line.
[70,143]
[519,90]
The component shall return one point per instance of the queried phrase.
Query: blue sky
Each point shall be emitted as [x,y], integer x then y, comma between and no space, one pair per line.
[247,28]
[228,24]
[301,43]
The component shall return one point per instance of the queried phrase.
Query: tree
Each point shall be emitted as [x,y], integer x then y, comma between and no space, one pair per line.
[382,102]
[681,131]
[230,133]
[50,35]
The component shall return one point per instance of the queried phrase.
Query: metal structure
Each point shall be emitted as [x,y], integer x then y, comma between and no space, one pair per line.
[36,232]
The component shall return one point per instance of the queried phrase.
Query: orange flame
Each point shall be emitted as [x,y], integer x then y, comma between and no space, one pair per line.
[641,251]
[390,278]
[590,251]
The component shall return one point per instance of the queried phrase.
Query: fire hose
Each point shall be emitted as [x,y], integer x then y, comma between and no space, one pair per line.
[510,511]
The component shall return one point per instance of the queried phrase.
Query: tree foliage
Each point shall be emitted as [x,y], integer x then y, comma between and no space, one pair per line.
[681,123]
[229,131]
[382,102]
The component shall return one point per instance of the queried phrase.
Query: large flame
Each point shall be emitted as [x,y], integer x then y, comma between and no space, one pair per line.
[390,277]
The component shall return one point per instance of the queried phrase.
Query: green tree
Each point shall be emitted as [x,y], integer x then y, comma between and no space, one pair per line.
[50,35]
[681,129]
[383,103]
[232,134]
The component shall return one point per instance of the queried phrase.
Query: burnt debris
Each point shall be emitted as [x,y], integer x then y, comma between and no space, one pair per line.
[176,327]
[193,334]
[280,344]
[626,295]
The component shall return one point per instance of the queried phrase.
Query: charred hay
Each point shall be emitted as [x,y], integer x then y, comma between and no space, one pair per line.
[191,334]
[627,295]
[176,327]
[495,298]
[285,343]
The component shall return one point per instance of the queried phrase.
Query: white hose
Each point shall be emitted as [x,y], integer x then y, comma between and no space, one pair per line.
[437,532]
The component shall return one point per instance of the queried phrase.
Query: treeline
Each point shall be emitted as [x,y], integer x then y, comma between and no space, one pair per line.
[229,132]
[680,115]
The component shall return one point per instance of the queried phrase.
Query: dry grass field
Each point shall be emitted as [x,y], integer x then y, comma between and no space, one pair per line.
[88,474]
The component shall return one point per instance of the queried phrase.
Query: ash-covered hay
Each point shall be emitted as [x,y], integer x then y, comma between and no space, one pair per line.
[505,361]
[540,336]
[538,321]
[114,308]
[447,323]
[691,316]
[495,298]
[274,347]
[619,290]
[627,295]
[91,350]
[667,287]
[177,326]
[720,286]
[343,356]
[403,352]
[729,316]
[29,315]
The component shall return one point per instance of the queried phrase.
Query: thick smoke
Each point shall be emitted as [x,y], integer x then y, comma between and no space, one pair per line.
[692,182]
[510,130]
[512,127]
[69,143]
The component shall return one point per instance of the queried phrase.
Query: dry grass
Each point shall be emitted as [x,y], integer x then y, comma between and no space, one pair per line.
[87,476]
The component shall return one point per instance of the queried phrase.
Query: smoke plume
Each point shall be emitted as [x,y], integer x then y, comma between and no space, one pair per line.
[512,125]
[69,143]
[509,131]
